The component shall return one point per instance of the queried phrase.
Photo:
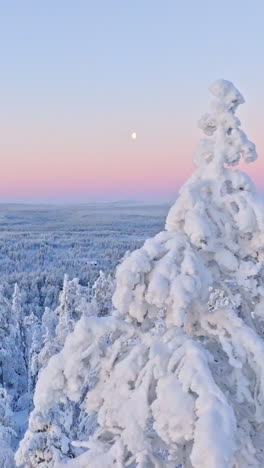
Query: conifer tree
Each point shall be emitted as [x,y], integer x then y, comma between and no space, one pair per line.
[175,377]
[7,433]
[13,372]
[103,289]
[49,434]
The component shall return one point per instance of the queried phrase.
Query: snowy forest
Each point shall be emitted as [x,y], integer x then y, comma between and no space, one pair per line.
[134,338]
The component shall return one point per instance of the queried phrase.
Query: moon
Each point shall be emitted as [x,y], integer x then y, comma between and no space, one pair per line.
[133,135]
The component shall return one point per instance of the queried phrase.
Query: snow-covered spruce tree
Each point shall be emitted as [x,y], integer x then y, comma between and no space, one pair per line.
[74,301]
[33,343]
[176,375]
[13,372]
[7,434]
[23,331]
[50,431]
[102,292]
[57,324]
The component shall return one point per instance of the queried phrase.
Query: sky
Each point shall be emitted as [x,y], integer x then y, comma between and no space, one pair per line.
[78,77]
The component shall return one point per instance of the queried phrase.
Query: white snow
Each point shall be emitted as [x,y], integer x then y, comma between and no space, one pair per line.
[175,376]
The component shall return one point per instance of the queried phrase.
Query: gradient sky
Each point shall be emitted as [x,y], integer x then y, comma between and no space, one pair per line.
[77,77]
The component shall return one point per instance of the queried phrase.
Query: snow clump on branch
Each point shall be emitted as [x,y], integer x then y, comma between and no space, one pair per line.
[177,373]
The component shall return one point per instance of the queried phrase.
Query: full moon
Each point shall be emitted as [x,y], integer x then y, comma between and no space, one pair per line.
[133,135]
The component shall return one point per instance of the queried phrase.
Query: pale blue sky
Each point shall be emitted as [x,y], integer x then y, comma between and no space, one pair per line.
[77,72]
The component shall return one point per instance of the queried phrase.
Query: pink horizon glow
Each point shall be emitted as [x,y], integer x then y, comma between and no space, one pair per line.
[78,80]
[144,171]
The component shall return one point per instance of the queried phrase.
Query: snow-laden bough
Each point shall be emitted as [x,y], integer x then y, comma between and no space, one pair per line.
[176,374]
